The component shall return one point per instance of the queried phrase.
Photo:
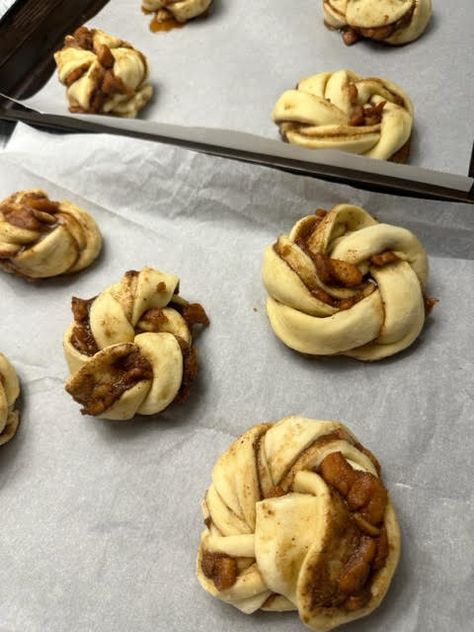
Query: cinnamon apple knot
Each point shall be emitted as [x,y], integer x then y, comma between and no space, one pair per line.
[298,518]
[130,349]
[41,238]
[343,283]
[342,110]
[103,74]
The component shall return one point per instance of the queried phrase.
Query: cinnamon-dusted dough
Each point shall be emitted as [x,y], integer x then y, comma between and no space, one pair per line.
[41,238]
[342,110]
[9,392]
[103,74]
[342,283]
[180,10]
[130,349]
[391,21]
[287,524]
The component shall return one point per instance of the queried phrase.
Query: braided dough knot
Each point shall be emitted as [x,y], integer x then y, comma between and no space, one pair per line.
[9,392]
[343,110]
[391,21]
[40,238]
[343,283]
[180,10]
[297,518]
[129,350]
[103,74]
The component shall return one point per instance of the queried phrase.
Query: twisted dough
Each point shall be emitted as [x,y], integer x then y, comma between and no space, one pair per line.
[40,238]
[341,283]
[129,350]
[180,10]
[9,392]
[103,74]
[343,110]
[297,518]
[391,21]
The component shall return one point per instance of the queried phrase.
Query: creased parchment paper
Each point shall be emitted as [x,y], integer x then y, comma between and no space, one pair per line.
[100,521]
[227,71]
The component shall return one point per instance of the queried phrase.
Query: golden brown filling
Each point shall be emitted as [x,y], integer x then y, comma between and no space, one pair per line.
[156,318]
[360,499]
[367,115]
[82,337]
[335,271]
[107,83]
[81,38]
[193,314]
[430,302]
[275,492]
[365,540]
[331,272]
[371,114]
[35,212]
[365,493]
[220,568]
[97,393]
[190,371]
[383,259]
[351,34]
[164,21]
[76,74]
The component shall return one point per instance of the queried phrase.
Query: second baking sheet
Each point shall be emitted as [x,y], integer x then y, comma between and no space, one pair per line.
[227,71]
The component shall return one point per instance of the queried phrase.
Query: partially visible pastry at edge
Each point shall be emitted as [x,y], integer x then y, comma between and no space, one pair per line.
[130,349]
[342,110]
[391,21]
[9,392]
[103,74]
[41,238]
[343,283]
[179,10]
[298,518]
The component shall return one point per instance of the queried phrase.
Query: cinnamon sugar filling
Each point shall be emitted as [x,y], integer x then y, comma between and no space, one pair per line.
[332,272]
[96,395]
[360,499]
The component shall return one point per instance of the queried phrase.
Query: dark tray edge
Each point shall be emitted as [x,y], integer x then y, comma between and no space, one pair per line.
[359,179]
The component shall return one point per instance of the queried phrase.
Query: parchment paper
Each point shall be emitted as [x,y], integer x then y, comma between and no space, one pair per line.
[5,5]
[228,70]
[100,521]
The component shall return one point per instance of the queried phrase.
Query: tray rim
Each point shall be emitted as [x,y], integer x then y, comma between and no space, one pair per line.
[351,177]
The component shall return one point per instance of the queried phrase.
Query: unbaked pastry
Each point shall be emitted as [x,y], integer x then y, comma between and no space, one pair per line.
[297,518]
[343,110]
[391,21]
[103,74]
[179,10]
[130,349]
[342,283]
[40,238]
[9,392]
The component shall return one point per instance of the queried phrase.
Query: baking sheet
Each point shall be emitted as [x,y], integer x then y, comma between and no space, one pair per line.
[100,521]
[228,70]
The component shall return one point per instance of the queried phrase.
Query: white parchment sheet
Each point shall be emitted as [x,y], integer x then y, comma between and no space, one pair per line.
[100,521]
[5,5]
[227,71]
